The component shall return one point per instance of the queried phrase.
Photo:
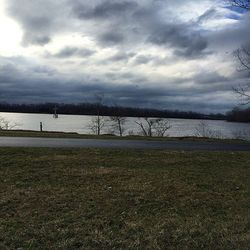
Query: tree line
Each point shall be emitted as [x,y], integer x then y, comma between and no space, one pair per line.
[239,115]
[104,110]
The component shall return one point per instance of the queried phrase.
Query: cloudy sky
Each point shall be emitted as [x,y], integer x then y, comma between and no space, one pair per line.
[168,54]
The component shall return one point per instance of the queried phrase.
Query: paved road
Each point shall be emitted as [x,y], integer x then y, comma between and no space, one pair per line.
[120,144]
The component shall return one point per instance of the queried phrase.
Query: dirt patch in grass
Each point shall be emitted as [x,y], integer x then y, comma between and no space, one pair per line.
[123,199]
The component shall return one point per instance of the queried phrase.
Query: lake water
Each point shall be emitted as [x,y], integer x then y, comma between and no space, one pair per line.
[80,124]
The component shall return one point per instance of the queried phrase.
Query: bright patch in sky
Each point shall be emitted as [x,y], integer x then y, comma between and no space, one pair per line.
[11,34]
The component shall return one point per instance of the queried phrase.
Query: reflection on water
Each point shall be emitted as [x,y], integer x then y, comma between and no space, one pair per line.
[80,124]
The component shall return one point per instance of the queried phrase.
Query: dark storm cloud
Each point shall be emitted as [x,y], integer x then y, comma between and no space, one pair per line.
[72,52]
[209,78]
[185,38]
[40,84]
[140,23]
[103,10]
[145,25]
[44,70]
[119,57]
[232,36]
[153,60]
[186,42]
[142,59]
[111,38]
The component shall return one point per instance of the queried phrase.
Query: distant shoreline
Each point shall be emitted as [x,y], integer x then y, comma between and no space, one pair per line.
[103,110]
[37,113]
[94,109]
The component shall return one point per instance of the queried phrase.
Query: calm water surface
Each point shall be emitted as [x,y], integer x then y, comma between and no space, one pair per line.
[80,124]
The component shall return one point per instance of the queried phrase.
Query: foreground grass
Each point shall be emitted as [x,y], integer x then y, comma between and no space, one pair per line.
[112,199]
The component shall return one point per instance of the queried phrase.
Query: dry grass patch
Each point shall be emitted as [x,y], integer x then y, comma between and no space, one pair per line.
[123,199]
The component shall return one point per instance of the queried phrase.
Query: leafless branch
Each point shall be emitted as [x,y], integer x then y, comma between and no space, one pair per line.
[243,56]
[244,4]
[118,123]
[97,124]
[150,127]
[7,125]
[161,127]
[203,130]
[143,129]
[244,93]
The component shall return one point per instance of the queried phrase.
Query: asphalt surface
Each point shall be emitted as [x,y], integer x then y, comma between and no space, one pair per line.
[121,144]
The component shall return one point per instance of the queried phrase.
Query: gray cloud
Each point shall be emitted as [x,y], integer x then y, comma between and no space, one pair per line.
[103,10]
[210,13]
[114,22]
[181,37]
[37,39]
[120,57]
[210,78]
[231,37]
[40,19]
[132,31]
[111,38]
[72,52]
[126,23]
[143,59]
[42,84]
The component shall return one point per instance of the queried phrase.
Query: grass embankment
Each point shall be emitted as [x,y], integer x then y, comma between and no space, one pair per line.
[112,199]
[47,134]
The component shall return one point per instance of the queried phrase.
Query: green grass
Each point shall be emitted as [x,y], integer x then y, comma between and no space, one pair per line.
[123,199]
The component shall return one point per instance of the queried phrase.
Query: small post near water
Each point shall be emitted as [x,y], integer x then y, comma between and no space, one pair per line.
[41,127]
[55,112]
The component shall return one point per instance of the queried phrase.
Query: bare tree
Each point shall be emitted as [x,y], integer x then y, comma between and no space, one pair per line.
[243,56]
[6,124]
[203,130]
[150,127]
[161,127]
[146,126]
[244,4]
[97,124]
[243,91]
[118,123]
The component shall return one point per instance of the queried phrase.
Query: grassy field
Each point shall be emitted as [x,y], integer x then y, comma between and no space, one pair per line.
[111,199]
